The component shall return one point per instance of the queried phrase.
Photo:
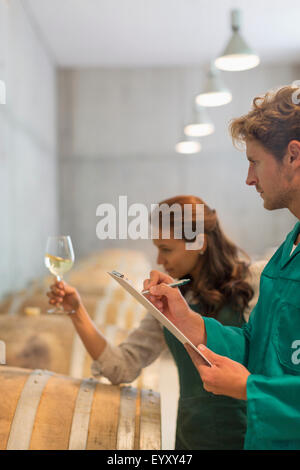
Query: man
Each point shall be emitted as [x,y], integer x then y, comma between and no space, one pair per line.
[260,362]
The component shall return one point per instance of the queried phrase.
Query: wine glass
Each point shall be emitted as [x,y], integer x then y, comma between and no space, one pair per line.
[59,259]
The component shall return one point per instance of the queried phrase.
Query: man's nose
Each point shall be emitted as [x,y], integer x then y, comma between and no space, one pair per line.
[251,178]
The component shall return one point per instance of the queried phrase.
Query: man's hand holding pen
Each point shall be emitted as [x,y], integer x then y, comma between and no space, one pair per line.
[173,305]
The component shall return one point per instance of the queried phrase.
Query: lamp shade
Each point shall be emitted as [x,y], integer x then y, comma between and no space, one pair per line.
[237,56]
[201,125]
[214,93]
[188,147]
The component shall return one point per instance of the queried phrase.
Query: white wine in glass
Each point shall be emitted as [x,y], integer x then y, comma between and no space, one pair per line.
[59,259]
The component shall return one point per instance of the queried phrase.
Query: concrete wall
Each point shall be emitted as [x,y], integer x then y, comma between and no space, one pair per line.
[117,131]
[28,159]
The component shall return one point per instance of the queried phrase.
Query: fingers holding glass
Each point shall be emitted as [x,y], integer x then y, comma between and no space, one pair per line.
[59,259]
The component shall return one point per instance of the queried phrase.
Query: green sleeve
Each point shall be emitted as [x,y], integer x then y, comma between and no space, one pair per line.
[229,341]
[273,407]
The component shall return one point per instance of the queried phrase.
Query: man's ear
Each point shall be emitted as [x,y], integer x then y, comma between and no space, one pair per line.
[294,152]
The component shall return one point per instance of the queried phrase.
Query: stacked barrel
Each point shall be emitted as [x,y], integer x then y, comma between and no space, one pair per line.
[47,365]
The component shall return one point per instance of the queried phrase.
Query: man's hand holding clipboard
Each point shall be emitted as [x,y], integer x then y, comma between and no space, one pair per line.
[169,307]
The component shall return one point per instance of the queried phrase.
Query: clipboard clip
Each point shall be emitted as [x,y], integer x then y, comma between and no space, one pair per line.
[118,274]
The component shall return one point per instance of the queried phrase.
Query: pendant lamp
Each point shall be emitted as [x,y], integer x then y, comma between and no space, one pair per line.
[214,93]
[237,55]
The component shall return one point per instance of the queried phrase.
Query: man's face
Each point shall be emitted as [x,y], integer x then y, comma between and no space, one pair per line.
[270,177]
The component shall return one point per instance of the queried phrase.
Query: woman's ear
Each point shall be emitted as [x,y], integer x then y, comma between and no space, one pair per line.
[198,245]
[204,247]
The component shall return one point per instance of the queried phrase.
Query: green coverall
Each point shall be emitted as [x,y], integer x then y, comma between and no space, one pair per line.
[269,346]
[206,421]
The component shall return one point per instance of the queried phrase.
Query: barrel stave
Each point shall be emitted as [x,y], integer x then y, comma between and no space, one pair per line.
[55,413]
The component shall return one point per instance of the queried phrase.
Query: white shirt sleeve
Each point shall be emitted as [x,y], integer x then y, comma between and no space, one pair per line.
[255,269]
[123,363]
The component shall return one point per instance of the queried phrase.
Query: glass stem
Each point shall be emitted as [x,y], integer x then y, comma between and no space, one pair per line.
[60,308]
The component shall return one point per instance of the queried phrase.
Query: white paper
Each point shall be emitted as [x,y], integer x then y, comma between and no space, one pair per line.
[157,314]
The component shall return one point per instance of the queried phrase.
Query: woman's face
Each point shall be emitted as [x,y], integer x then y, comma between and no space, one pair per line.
[176,260]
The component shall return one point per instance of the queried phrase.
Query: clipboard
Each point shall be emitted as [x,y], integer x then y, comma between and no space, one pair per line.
[125,283]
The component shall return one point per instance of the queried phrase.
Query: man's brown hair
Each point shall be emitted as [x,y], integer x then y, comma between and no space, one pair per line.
[273,121]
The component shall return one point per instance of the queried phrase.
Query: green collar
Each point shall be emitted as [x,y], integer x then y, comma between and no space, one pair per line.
[290,240]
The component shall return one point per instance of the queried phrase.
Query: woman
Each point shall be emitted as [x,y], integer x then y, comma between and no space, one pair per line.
[220,288]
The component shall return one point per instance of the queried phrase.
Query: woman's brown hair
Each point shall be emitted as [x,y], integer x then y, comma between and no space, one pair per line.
[273,121]
[221,277]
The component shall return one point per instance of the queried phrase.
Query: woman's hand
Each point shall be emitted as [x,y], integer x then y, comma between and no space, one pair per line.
[65,295]
[172,304]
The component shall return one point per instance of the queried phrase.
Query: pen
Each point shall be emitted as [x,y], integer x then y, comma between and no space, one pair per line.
[173,284]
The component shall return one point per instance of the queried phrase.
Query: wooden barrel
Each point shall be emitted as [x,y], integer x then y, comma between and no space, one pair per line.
[96,281]
[12,302]
[112,308]
[51,342]
[116,258]
[90,275]
[91,282]
[41,410]
[5,304]
[90,278]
